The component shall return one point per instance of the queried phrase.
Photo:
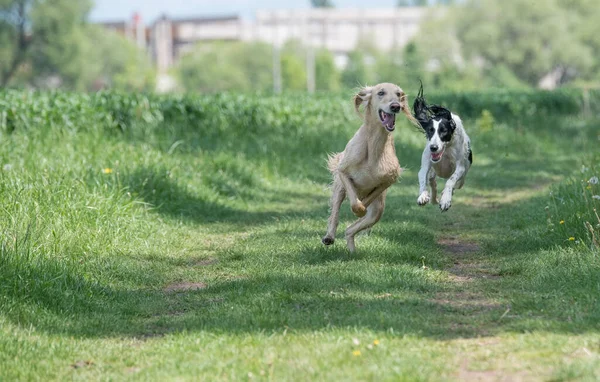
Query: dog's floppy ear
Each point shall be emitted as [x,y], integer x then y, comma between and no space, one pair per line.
[442,112]
[362,97]
[420,108]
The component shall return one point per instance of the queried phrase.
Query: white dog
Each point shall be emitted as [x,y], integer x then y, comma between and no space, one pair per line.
[447,153]
[368,165]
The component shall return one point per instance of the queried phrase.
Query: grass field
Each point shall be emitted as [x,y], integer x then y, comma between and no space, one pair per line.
[188,248]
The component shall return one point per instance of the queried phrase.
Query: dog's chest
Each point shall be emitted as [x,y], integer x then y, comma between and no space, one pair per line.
[377,171]
[447,165]
[444,168]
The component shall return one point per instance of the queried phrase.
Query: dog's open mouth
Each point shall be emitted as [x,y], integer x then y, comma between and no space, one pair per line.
[388,120]
[435,157]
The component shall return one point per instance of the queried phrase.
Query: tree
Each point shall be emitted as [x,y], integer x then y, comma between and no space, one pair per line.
[355,73]
[327,75]
[322,3]
[411,3]
[227,66]
[113,61]
[529,40]
[293,73]
[14,36]
[45,34]
[58,40]
[404,67]
[585,15]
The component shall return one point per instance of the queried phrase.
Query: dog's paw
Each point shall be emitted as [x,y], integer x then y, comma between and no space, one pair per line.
[359,209]
[423,198]
[445,201]
[327,240]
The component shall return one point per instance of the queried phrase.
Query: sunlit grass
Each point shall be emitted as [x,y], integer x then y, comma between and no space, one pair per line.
[188,247]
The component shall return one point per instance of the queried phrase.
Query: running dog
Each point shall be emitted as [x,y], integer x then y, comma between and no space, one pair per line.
[447,153]
[368,165]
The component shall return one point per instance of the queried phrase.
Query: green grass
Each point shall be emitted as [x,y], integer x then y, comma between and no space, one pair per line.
[107,218]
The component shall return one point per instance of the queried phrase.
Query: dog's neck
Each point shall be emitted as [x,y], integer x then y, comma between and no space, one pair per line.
[379,139]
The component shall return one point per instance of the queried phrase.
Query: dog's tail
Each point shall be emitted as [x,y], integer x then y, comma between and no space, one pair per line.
[333,160]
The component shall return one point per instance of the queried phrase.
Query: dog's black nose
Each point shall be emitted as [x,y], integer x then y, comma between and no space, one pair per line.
[395,107]
[433,148]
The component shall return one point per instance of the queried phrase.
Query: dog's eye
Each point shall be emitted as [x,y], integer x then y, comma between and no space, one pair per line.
[398,94]
[381,93]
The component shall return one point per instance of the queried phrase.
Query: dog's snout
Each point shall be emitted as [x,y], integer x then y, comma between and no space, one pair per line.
[433,148]
[395,107]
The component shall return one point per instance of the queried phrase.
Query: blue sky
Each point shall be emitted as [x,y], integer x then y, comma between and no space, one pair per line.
[106,10]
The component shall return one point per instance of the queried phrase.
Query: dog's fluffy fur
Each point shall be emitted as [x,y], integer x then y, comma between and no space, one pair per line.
[447,153]
[368,165]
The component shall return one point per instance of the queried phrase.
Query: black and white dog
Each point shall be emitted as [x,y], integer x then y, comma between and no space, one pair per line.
[447,153]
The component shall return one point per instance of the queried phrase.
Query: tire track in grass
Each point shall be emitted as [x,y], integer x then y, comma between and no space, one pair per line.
[464,295]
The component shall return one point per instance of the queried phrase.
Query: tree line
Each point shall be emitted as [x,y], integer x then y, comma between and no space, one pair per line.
[50,43]
[465,44]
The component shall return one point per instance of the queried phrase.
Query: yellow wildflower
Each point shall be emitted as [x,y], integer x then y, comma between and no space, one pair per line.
[356,353]
[376,342]
[562,222]
[107,170]
[571,238]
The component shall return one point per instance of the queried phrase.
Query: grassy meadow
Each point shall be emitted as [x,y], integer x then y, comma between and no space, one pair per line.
[178,238]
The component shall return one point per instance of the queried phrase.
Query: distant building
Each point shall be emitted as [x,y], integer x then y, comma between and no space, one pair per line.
[339,29]
[173,37]
[133,29]
[336,29]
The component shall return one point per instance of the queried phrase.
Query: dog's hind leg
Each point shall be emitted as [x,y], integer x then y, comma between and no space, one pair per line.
[433,185]
[374,213]
[446,199]
[337,197]
[355,204]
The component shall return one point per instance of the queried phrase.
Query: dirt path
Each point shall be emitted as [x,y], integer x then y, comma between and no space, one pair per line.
[465,294]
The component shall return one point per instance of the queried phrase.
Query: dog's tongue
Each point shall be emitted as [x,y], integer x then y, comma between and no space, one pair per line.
[388,120]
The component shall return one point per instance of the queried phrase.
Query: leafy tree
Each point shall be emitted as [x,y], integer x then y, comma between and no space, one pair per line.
[327,76]
[322,3]
[226,66]
[50,39]
[361,65]
[293,65]
[116,62]
[527,39]
[293,73]
[403,67]
[43,35]
[585,15]
[58,39]
[355,73]
[14,39]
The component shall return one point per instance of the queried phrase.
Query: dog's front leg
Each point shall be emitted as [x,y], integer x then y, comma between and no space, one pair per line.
[446,199]
[357,206]
[423,172]
[374,195]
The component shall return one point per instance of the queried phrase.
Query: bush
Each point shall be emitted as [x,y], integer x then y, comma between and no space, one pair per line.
[574,209]
[247,114]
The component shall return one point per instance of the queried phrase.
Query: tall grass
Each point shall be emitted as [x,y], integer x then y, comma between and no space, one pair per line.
[109,201]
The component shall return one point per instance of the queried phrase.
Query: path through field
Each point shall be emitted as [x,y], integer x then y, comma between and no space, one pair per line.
[173,252]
